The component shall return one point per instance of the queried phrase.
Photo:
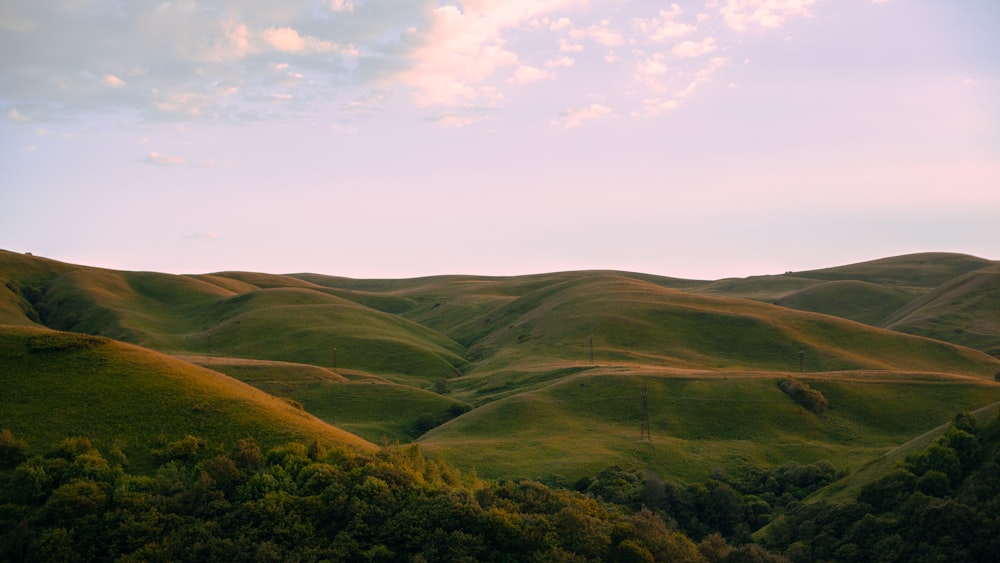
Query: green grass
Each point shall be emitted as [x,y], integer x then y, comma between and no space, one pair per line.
[965,310]
[364,354]
[859,301]
[57,385]
[698,422]
[375,409]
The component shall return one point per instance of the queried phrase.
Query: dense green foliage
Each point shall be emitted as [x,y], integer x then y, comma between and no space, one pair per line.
[208,503]
[730,506]
[939,504]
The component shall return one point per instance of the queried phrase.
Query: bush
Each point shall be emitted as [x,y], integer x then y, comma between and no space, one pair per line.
[811,399]
[12,450]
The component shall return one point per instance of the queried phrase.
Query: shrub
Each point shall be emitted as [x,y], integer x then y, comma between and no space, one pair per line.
[802,394]
[12,450]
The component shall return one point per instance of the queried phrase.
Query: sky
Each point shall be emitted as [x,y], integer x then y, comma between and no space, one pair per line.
[402,138]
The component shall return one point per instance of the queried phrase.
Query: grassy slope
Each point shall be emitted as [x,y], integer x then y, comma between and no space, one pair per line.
[636,324]
[125,397]
[942,295]
[579,425]
[964,310]
[247,315]
[19,271]
[859,301]
[369,406]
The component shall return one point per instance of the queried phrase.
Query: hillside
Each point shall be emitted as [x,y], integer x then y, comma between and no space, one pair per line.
[884,292]
[123,397]
[965,310]
[550,366]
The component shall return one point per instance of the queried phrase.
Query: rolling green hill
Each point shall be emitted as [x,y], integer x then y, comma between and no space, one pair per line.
[965,310]
[579,425]
[123,397]
[553,363]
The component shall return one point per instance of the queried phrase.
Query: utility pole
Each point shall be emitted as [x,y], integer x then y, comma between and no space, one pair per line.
[802,365]
[334,357]
[591,349]
[210,344]
[644,435]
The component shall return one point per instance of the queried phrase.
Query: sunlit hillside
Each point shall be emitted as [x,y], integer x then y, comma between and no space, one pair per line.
[58,385]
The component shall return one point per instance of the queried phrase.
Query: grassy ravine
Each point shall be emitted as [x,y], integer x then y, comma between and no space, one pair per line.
[58,385]
[552,363]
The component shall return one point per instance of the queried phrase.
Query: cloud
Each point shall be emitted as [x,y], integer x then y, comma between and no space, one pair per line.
[162,159]
[192,61]
[741,15]
[342,5]
[464,48]
[560,62]
[450,120]
[601,33]
[15,115]
[702,76]
[659,105]
[526,74]
[648,69]
[288,40]
[561,24]
[663,27]
[210,235]
[691,49]
[566,47]
[575,117]
[113,81]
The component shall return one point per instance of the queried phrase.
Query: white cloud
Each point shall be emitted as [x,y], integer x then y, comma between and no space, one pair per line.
[113,81]
[664,27]
[561,24]
[162,159]
[15,115]
[560,62]
[601,33]
[702,76]
[690,49]
[342,5]
[566,47]
[744,14]
[464,48]
[288,40]
[651,66]
[526,74]
[575,117]
[658,106]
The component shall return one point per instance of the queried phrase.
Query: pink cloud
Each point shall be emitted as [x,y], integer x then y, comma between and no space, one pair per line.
[601,33]
[464,49]
[690,49]
[663,27]
[162,159]
[576,117]
[744,14]
[526,74]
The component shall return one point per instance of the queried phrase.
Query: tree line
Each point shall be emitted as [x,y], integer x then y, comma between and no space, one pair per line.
[304,502]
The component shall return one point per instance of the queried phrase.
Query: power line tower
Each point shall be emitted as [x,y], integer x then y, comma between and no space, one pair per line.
[644,435]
